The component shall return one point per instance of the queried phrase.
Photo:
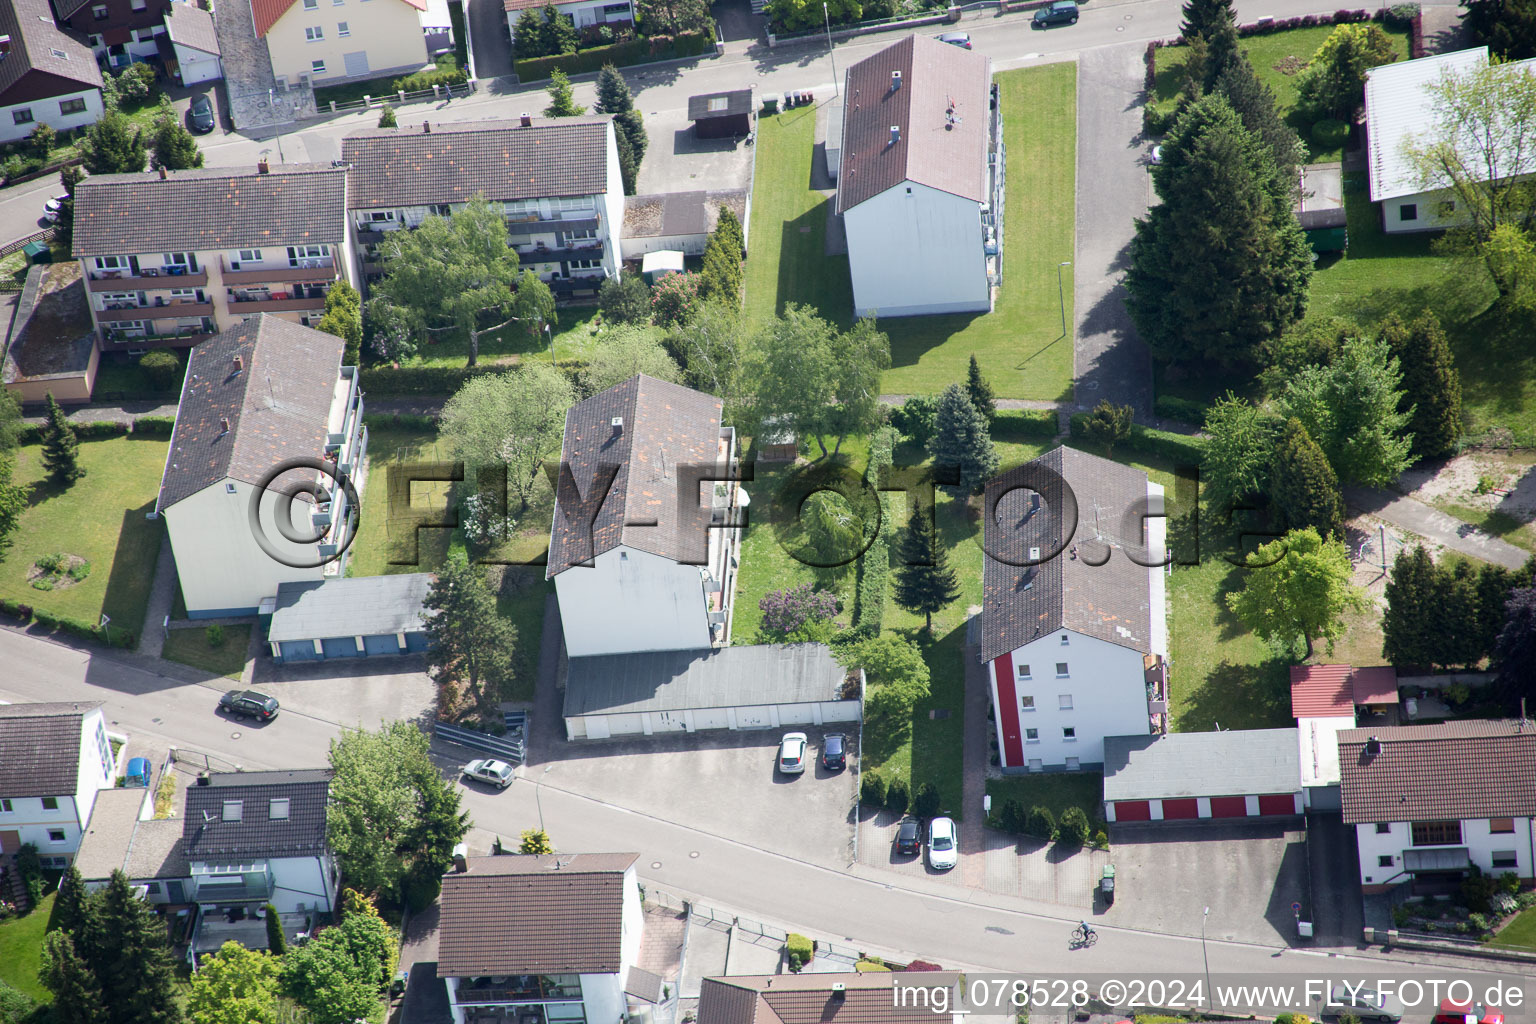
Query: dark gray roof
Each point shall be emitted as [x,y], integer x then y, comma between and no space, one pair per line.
[1193,764]
[277,406]
[39,45]
[207,836]
[664,426]
[210,208]
[40,747]
[735,103]
[396,167]
[680,213]
[359,606]
[51,330]
[676,680]
[1110,600]
[191,26]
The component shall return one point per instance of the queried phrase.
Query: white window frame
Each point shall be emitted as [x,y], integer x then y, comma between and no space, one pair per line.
[1510,859]
[1023,706]
[1022,671]
[1031,735]
[1064,702]
[112,263]
[314,33]
[1069,734]
[71,106]
[343,30]
[278,809]
[316,67]
[1062,671]
[234,810]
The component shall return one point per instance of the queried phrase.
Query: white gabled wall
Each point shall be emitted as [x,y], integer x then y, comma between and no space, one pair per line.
[916,250]
[50,111]
[631,601]
[1476,835]
[612,200]
[97,770]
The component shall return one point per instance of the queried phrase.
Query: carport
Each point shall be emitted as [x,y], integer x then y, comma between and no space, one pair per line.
[721,115]
[348,618]
[758,687]
[1252,773]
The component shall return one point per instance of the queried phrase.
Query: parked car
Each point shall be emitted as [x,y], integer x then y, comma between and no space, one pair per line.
[909,837]
[138,773]
[1365,1003]
[792,753]
[943,844]
[834,751]
[1453,1011]
[960,39]
[200,115]
[53,207]
[249,704]
[1156,156]
[1062,12]
[489,771]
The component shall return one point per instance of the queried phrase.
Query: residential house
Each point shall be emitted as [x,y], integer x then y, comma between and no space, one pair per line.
[120,31]
[189,46]
[47,75]
[1326,700]
[920,180]
[645,543]
[556,179]
[816,998]
[173,257]
[1073,626]
[123,836]
[256,396]
[583,13]
[539,939]
[321,42]
[54,759]
[1431,803]
[1399,113]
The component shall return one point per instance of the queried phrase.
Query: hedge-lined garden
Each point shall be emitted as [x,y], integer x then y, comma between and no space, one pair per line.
[642,50]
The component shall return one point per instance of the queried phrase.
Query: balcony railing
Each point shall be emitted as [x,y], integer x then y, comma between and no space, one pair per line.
[104,281]
[592,250]
[241,307]
[323,270]
[169,311]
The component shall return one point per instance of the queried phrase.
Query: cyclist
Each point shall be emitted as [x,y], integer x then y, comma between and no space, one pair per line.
[1087,931]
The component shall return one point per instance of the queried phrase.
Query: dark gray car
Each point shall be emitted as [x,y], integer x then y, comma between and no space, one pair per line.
[1062,12]
[249,704]
[200,115]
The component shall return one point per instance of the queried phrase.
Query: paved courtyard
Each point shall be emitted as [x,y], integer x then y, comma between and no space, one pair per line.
[350,691]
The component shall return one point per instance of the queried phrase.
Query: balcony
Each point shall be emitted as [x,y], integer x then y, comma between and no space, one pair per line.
[317,270]
[118,281]
[521,230]
[242,307]
[589,250]
[169,311]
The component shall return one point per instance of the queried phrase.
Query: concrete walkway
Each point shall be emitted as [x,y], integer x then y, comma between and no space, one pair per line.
[973,772]
[1428,522]
[162,594]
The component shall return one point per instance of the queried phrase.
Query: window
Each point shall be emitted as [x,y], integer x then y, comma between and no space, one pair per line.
[585,264]
[314,34]
[103,747]
[1501,825]
[1382,828]
[1505,859]
[277,810]
[99,12]
[1031,735]
[521,207]
[1064,640]
[111,263]
[342,29]
[139,5]
[1036,765]
[5,806]
[177,259]
[1023,671]
[233,810]
[379,217]
[1026,703]
[250,256]
[304,252]
[1436,833]
[22,116]
[72,106]
[152,888]
[185,294]
[1064,701]
[574,236]
[1073,764]
[1061,668]
[310,5]
[317,67]
[1069,732]
[1408,211]
[96,42]
[55,835]
[442,209]
[1384,861]
[50,803]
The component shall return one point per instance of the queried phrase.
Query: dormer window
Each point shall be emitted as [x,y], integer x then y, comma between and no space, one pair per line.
[277,810]
[233,810]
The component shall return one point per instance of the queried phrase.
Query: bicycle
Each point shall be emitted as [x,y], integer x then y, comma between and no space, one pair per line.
[1083,937]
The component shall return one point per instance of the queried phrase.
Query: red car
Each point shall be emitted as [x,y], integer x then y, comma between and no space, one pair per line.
[1454,1012]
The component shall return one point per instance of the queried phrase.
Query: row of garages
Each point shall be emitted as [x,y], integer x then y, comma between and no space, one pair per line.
[1252,773]
[348,618]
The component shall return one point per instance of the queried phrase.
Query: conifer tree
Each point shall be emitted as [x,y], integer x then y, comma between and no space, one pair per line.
[61,448]
[980,392]
[925,583]
[77,995]
[961,440]
[1431,383]
[1407,625]
[1302,485]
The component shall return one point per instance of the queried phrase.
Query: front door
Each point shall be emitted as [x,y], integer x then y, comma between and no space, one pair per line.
[10,842]
[173,891]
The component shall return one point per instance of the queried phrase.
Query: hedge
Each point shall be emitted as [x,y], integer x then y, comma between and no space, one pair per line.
[632,51]
[154,426]
[427,78]
[64,624]
[420,380]
[1170,407]
[1009,423]
[399,421]
[1178,448]
[874,568]
[32,433]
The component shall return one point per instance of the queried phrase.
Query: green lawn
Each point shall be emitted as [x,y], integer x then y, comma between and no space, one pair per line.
[1519,933]
[1020,345]
[1054,790]
[191,647]
[100,518]
[1276,59]
[522,598]
[21,949]
[574,338]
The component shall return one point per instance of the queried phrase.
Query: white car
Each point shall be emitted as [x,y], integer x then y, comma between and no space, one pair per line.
[792,753]
[495,773]
[943,844]
[53,207]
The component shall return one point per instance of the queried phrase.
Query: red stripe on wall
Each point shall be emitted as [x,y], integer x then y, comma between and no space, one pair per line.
[1133,810]
[1008,712]
[1277,803]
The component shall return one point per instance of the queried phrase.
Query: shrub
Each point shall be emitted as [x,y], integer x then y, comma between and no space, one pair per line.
[444,74]
[1510,883]
[786,612]
[1479,922]
[1011,818]
[1041,823]
[1293,1018]
[800,951]
[277,944]
[1330,133]
[674,299]
[926,803]
[1012,423]
[1477,892]
[215,635]
[1109,424]
[872,789]
[922,965]
[1073,829]
[1400,917]
[162,368]
[154,426]
[916,418]
[388,118]
[1156,122]
[1101,840]
[898,795]
[1170,407]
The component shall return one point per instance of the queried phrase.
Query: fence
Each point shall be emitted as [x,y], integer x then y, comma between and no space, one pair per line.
[45,235]
[199,759]
[437,92]
[510,747]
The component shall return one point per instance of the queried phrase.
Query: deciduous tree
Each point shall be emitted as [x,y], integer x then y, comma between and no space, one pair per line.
[894,669]
[673,16]
[710,346]
[925,583]
[235,986]
[562,101]
[623,352]
[174,147]
[1354,409]
[1301,590]
[962,441]
[516,419]
[1333,83]
[1239,446]
[344,318]
[469,645]
[625,300]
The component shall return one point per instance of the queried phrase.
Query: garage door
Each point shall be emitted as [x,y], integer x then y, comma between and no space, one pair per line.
[711,718]
[1133,810]
[754,717]
[339,647]
[384,643]
[1181,810]
[626,725]
[297,650]
[1229,807]
[415,641]
[668,721]
[797,714]
[1277,803]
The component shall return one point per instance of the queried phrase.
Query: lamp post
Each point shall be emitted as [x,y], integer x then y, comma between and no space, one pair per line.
[539,781]
[1062,296]
[1203,955]
[272,99]
[549,337]
[826,19]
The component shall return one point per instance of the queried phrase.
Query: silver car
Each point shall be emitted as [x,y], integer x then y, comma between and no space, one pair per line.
[494,773]
[1365,1003]
[792,753]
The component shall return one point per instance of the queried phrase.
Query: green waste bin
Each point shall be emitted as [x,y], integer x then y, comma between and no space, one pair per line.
[38,252]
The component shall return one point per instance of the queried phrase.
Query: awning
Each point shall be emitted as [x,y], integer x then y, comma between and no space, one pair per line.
[662,261]
[1445,858]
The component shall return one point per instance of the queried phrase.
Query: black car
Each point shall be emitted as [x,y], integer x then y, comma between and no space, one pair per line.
[1062,12]
[909,837]
[834,751]
[200,115]
[249,704]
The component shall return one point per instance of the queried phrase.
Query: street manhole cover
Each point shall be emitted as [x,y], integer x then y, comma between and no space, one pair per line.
[234,735]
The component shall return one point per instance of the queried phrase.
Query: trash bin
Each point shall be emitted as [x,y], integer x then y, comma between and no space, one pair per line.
[38,252]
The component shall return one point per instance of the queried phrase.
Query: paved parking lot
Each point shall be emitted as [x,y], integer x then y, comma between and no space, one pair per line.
[724,783]
[675,161]
[350,691]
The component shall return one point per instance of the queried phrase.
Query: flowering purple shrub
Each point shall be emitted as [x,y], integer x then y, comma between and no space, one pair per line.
[786,611]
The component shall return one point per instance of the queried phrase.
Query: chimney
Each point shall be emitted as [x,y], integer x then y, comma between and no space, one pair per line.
[895,80]
[526,120]
[1373,746]
[163,175]
[239,363]
[262,167]
[223,424]
[839,990]
[617,423]
[426,127]
[202,778]
[461,858]
[895,134]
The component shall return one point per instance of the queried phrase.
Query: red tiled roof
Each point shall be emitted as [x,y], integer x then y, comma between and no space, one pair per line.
[1376,684]
[1321,691]
[810,999]
[1452,771]
[266,13]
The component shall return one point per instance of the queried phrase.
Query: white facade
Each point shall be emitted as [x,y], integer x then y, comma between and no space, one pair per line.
[630,601]
[1423,211]
[197,65]
[54,823]
[64,111]
[1383,848]
[916,250]
[583,13]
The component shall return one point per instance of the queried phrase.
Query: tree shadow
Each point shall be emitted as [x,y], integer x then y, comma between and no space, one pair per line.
[1237,697]
[133,568]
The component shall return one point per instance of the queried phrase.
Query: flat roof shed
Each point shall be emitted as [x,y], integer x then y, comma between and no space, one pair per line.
[720,115]
[353,617]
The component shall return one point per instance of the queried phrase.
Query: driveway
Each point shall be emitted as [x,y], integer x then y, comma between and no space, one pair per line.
[1336,905]
[721,782]
[676,161]
[488,30]
[351,692]
[1110,361]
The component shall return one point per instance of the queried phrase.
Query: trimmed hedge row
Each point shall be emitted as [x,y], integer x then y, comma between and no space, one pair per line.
[97,430]
[25,613]
[154,426]
[1024,423]
[1170,407]
[399,421]
[1180,448]
[632,51]
[420,380]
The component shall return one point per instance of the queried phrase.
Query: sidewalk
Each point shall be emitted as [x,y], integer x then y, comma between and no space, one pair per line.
[1428,522]
[162,595]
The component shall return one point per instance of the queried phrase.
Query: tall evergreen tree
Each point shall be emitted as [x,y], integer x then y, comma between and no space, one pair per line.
[1494,584]
[1220,267]
[1201,15]
[925,583]
[1507,27]
[1431,383]
[961,440]
[71,905]
[175,148]
[1408,624]
[1254,105]
[469,644]
[729,228]
[629,167]
[132,959]
[528,36]
[61,448]
[1514,654]
[980,392]
[1458,620]
[77,996]
[1222,51]
[113,145]
[562,101]
[1302,486]
[720,272]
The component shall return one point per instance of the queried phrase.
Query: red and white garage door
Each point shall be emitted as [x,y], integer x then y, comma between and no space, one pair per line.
[1133,810]
[1181,810]
[1195,808]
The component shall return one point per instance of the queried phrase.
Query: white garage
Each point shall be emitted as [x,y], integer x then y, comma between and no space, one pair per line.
[759,687]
